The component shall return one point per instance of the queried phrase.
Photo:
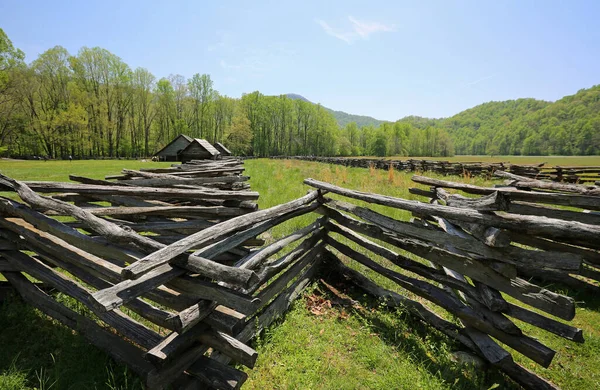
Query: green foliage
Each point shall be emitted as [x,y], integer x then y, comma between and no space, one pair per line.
[240,136]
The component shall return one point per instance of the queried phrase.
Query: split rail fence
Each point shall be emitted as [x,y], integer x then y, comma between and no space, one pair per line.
[568,174]
[175,282]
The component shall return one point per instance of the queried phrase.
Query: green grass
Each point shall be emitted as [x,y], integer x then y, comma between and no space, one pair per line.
[343,348]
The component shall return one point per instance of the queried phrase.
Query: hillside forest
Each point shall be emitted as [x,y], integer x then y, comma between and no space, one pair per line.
[93,105]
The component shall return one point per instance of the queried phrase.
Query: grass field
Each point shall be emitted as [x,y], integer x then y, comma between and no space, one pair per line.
[337,349]
[549,160]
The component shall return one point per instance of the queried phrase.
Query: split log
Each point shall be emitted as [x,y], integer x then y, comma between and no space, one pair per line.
[217,375]
[133,330]
[581,201]
[275,309]
[536,296]
[550,212]
[524,344]
[394,300]
[512,255]
[525,182]
[120,235]
[526,224]
[144,192]
[256,259]
[496,201]
[112,344]
[166,254]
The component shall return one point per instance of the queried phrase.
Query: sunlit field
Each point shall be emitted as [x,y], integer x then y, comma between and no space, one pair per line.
[338,348]
[548,160]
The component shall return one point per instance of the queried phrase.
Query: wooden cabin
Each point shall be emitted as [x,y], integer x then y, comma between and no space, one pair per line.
[172,151]
[222,149]
[199,149]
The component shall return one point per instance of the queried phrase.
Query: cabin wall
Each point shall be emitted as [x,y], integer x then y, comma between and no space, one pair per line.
[196,152]
[170,153]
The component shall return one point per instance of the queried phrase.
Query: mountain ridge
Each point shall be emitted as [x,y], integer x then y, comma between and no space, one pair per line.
[342,117]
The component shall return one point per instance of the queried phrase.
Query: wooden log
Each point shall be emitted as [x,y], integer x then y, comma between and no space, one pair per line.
[87,180]
[164,255]
[558,328]
[272,268]
[242,237]
[115,233]
[524,344]
[71,260]
[109,342]
[402,261]
[144,192]
[171,211]
[512,255]
[536,296]
[485,345]
[535,209]
[581,201]
[217,375]
[546,227]
[6,266]
[224,320]
[275,309]
[213,292]
[108,270]
[195,172]
[490,297]
[394,300]
[231,347]
[72,236]
[279,284]
[496,201]
[129,289]
[133,330]
[525,182]
[590,256]
[160,378]
[256,259]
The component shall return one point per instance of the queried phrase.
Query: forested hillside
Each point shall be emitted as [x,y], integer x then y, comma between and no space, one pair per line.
[343,118]
[92,104]
[569,126]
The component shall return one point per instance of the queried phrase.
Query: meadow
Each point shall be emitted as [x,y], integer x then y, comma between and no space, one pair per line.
[548,160]
[330,348]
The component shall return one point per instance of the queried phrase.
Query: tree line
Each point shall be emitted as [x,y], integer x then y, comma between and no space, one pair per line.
[93,105]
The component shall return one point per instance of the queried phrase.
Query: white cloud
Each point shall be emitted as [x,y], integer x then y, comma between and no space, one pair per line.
[364,29]
[480,80]
[360,29]
[346,37]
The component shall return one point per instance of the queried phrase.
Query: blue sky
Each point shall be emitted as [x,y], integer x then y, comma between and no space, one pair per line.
[384,59]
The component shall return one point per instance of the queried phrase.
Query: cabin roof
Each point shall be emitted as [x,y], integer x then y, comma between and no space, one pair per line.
[187,138]
[220,145]
[204,144]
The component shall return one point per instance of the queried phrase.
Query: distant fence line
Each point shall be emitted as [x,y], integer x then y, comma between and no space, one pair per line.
[570,174]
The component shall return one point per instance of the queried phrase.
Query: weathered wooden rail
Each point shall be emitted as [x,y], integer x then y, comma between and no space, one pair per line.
[203,284]
[569,174]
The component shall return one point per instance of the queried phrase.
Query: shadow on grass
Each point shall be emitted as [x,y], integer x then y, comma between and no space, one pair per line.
[429,348]
[38,352]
